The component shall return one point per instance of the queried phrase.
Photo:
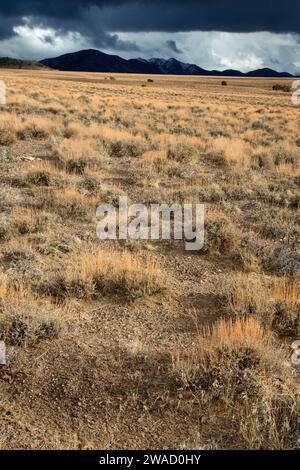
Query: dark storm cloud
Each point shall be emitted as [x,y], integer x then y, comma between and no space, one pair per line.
[7,24]
[162,15]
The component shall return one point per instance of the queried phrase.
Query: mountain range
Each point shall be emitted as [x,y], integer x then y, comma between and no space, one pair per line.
[92,60]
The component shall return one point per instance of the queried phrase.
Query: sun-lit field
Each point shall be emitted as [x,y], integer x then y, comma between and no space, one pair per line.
[141,344]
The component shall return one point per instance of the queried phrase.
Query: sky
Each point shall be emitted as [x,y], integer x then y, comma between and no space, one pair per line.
[214,34]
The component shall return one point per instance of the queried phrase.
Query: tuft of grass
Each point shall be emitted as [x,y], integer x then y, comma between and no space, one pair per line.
[235,153]
[109,273]
[285,319]
[247,295]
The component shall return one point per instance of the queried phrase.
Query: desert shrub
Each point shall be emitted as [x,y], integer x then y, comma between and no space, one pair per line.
[237,192]
[5,230]
[7,136]
[264,160]
[48,245]
[272,225]
[123,149]
[8,198]
[246,259]
[222,236]
[281,87]
[111,196]
[186,195]
[283,154]
[73,209]
[91,183]
[283,260]
[160,166]
[30,223]
[294,201]
[117,149]
[76,166]
[72,130]
[217,157]
[44,221]
[213,193]
[271,229]
[69,204]
[258,125]
[17,257]
[173,171]
[32,131]
[62,288]
[23,222]
[286,319]
[39,178]
[224,83]
[24,227]
[22,264]
[181,153]
[27,323]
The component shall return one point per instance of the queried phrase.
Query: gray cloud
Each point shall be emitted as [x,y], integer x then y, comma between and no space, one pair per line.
[171,44]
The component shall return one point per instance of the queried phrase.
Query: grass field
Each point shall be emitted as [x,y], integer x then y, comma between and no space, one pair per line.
[141,344]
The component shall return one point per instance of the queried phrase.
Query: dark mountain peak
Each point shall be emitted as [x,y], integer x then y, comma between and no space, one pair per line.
[174,66]
[92,60]
[173,61]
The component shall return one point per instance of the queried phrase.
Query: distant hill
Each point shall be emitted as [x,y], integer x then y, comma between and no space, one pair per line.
[268,73]
[92,60]
[8,63]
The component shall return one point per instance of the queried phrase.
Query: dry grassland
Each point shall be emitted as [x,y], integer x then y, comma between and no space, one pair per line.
[141,344]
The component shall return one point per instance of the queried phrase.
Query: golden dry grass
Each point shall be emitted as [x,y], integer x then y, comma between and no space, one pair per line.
[118,273]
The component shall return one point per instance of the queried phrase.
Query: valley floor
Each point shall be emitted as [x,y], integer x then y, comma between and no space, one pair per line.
[141,344]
